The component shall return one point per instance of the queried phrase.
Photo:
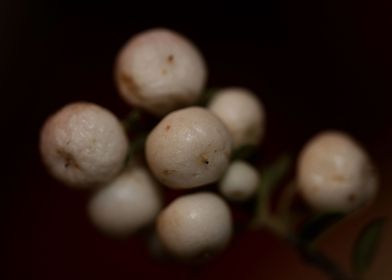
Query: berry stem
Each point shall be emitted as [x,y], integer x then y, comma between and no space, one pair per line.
[286,201]
[269,179]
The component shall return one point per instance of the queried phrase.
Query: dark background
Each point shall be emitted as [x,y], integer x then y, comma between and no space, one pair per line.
[314,65]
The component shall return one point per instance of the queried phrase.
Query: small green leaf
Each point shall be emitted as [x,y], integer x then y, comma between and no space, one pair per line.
[269,179]
[317,225]
[206,96]
[366,245]
[275,172]
[243,152]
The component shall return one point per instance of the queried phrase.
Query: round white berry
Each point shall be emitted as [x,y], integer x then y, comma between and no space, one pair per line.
[240,181]
[195,226]
[335,173]
[190,147]
[160,70]
[127,204]
[243,114]
[83,144]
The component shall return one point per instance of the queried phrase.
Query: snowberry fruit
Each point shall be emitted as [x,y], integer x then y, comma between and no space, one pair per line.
[195,226]
[239,182]
[242,113]
[190,147]
[83,144]
[160,70]
[335,173]
[127,204]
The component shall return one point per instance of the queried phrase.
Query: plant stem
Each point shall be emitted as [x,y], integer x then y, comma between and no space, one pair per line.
[286,201]
[135,146]
[268,180]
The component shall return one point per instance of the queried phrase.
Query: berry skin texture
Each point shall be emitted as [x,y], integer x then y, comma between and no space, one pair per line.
[335,174]
[243,114]
[161,71]
[195,227]
[189,148]
[127,204]
[83,145]
[239,182]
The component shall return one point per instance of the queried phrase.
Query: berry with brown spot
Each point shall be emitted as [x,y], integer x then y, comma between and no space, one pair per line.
[335,173]
[83,145]
[193,152]
[160,70]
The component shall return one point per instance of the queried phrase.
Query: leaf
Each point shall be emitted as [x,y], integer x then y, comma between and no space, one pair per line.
[206,96]
[269,180]
[243,152]
[365,246]
[314,228]
[275,172]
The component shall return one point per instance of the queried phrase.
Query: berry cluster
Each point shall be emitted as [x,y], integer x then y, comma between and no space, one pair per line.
[164,74]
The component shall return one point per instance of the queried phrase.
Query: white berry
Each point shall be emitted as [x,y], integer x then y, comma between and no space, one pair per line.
[189,148]
[243,114]
[195,226]
[239,182]
[127,204]
[335,173]
[83,144]
[160,70]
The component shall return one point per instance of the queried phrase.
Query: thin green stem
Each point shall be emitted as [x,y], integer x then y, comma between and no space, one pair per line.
[269,178]
[286,201]
[135,146]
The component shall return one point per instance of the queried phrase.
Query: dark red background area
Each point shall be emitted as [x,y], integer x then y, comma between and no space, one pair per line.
[314,65]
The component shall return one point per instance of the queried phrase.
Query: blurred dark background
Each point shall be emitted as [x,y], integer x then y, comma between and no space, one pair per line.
[315,65]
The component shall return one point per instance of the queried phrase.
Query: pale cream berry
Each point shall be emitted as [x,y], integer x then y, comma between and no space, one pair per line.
[83,145]
[195,226]
[160,70]
[243,114]
[240,181]
[127,204]
[189,148]
[335,173]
